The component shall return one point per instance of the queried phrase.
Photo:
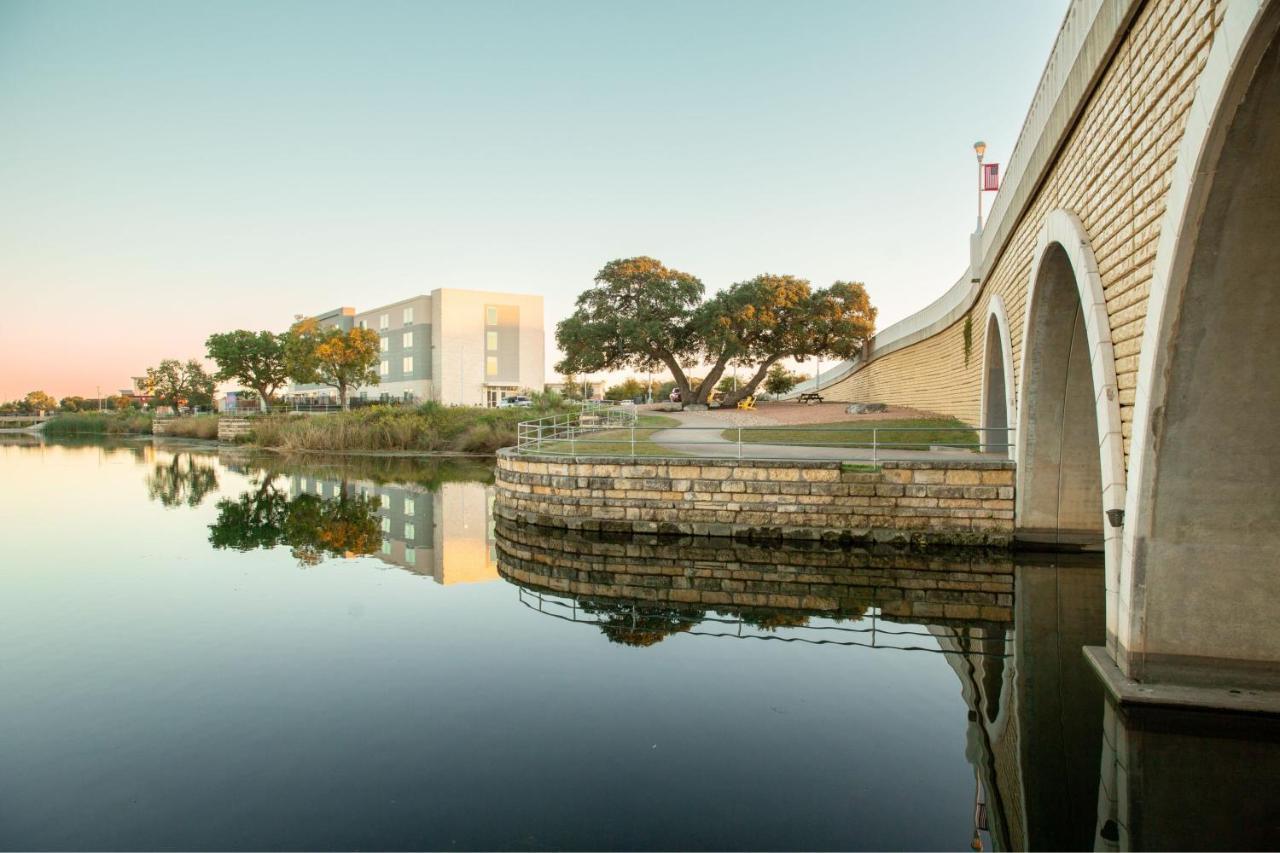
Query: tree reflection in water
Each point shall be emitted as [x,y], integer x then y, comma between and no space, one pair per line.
[639,625]
[182,481]
[311,526]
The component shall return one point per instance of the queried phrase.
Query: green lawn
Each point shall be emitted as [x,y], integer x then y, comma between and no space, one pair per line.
[617,442]
[898,434]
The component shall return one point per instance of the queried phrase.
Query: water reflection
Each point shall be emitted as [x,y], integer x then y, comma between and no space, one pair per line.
[182,481]
[774,697]
[1011,631]
[344,525]
[429,519]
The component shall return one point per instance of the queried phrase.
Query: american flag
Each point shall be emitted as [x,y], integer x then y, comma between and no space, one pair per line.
[990,177]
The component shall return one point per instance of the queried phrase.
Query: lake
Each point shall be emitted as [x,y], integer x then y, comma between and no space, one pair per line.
[215,649]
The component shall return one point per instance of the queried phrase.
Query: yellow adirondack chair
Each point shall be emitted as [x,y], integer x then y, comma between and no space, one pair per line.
[747,403]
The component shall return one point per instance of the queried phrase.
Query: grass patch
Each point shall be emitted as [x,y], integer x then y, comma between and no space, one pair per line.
[617,442]
[894,434]
[199,426]
[99,423]
[430,427]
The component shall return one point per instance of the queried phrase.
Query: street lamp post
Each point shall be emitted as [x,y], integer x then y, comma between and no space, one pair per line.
[979,148]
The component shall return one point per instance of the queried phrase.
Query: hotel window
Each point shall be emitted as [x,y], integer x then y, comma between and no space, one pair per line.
[408,531]
[408,364]
[491,341]
[491,366]
[384,321]
[408,316]
[407,342]
[384,344]
[386,524]
[410,556]
[386,501]
[386,546]
[384,368]
[362,324]
[491,315]
[408,506]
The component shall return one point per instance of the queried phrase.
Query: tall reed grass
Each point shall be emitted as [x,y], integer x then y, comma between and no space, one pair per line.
[199,426]
[430,427]
[99,423]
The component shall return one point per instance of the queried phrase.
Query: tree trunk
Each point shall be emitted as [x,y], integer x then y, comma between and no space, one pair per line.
[342,396]
[678,374]
[262,401]
[709,384]
[744,391]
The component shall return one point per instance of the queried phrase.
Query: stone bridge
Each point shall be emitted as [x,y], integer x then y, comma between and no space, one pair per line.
[1121,316]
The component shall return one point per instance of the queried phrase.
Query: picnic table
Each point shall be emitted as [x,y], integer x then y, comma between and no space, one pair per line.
[809,397]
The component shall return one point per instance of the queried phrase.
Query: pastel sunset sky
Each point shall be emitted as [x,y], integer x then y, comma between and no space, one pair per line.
[171,169]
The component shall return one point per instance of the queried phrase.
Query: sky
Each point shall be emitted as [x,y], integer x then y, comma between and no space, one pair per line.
[172,169]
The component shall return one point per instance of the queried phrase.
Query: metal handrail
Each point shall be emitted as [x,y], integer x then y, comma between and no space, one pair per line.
[533,435]
[570,435]
[542,602]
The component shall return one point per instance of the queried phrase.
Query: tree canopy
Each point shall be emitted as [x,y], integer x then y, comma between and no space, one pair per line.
[175,383]
[327,355]
[39,401]
[255,359]
[640,312]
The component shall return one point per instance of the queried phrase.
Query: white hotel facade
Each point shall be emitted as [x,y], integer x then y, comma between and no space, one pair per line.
[458,347]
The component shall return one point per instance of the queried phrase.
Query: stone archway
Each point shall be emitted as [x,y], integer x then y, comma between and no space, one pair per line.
[997,381]
[1069,445]
[1200,580]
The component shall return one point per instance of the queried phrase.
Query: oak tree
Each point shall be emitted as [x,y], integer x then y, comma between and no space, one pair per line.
[254,359]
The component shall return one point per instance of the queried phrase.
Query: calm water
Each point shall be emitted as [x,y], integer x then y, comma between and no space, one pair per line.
[222,651]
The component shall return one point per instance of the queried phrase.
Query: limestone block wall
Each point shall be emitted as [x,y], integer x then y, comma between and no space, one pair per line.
[160,426]
[966,502]
[1113,170]
[229,429]
[709,573]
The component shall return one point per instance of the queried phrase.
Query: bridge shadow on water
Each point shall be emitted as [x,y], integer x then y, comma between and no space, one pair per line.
[1057,765]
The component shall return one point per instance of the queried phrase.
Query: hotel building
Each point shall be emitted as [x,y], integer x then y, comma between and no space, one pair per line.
[459,347]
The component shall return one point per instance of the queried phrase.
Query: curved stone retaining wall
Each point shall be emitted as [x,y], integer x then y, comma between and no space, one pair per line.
[811,578]
[962,503]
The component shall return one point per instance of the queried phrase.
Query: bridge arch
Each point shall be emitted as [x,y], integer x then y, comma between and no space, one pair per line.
[998,412]
[1199,582]
[1069,442]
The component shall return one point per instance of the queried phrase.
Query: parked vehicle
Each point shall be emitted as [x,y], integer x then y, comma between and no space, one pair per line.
[517,401]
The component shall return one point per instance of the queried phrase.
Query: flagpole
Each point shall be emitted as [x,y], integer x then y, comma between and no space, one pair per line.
[979,148]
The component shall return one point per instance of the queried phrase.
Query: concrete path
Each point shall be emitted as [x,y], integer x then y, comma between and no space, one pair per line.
[701,434]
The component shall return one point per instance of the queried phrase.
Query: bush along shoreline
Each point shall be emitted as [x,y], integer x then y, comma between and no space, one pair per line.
[100,423]
[428,428]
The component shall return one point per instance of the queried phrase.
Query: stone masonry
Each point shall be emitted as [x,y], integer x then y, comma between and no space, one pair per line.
[701,572]
[229,429]
[961,503]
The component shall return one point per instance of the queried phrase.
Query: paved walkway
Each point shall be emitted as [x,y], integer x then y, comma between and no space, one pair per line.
[702,434]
